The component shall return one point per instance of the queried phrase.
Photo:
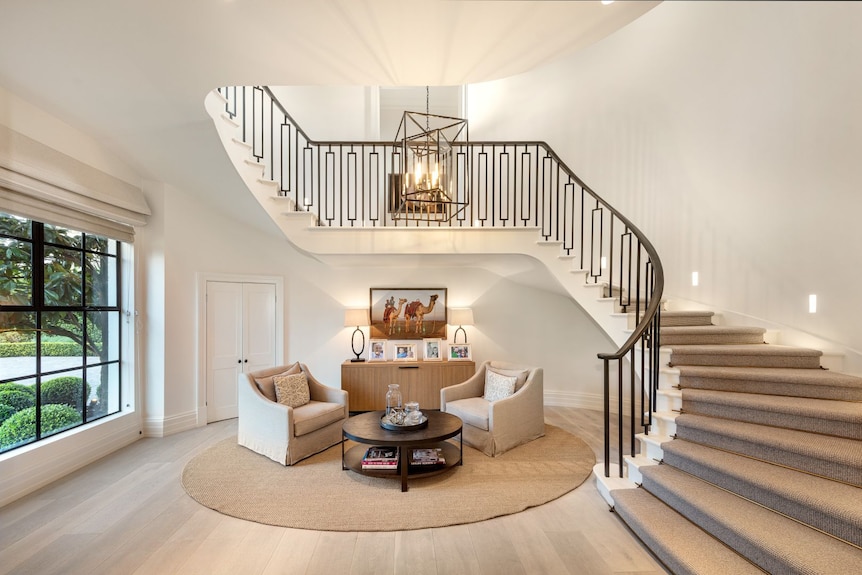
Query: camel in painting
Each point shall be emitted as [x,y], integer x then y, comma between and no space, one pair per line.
[416,311]
[391,313]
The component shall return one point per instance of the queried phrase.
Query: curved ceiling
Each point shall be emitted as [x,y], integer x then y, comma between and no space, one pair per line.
[133,74]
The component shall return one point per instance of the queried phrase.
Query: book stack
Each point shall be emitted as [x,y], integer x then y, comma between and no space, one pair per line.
[427,457]
[380,458]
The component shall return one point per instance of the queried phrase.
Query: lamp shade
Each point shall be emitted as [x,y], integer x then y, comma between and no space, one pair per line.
[356,317]
[461,316]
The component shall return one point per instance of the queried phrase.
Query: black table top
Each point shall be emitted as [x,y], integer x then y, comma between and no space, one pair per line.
[366,428]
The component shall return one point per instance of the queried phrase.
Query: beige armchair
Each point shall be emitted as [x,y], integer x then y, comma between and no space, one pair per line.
[494,427]
[288,434]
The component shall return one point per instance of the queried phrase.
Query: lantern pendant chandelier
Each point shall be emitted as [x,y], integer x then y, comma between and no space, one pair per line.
[434,177]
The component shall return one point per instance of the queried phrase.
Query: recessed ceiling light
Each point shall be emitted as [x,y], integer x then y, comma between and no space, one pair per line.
[606,2]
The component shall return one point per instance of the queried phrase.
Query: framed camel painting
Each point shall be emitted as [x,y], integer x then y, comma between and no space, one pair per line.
[408,313]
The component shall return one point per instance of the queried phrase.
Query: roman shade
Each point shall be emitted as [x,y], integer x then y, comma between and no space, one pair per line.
[43,184]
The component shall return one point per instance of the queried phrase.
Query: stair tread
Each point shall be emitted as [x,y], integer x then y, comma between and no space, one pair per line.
[776,543]
[814,500]
[780,374]
[749,354]
[744,349]
[836,457]
[814,445]
[711,335]
[702,329]
[640,459]
[803,406]
[687,313]
[682,321]
[654,438]
[679,543]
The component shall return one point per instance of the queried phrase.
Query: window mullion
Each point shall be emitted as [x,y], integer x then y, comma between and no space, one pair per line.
[38,299]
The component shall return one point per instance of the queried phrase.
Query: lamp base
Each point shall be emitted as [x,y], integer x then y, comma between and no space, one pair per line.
[461,329]
[357,359]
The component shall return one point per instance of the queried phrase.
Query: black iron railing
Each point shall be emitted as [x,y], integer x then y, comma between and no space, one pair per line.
[504,184]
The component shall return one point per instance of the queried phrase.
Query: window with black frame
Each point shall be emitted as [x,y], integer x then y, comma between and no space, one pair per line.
[59,329]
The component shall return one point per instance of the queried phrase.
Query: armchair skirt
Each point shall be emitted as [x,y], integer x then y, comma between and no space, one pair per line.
[288,434]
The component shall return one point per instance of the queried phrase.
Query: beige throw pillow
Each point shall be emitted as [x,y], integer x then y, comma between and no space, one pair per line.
[292,390]
[519,374]
[498,386]
[266,385]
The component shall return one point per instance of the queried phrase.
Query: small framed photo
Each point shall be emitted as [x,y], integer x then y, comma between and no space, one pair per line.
[432,349]
[377,350]
[405,351]
[460,352]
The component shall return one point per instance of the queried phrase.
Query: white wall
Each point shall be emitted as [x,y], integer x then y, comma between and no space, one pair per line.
[513,321]
[150,292]
[31,467]
[25,118]
[349,111]
[730,133]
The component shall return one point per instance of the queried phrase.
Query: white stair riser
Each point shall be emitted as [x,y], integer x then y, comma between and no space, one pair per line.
[633,474]
[634,466]
[663,426]
[650,446]
[604,485]
[668,402]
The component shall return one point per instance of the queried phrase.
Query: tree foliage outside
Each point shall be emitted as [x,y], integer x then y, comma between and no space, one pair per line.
[72,313]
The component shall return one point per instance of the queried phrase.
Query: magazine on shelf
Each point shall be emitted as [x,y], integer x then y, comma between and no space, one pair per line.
[380,457]
[427,456]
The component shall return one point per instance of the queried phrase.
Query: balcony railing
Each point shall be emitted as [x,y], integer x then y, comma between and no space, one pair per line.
[499,184]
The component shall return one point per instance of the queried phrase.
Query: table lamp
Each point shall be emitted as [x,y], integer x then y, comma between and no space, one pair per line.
[461,317]
[356,317]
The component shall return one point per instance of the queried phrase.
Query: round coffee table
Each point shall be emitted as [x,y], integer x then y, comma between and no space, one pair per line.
[365,429]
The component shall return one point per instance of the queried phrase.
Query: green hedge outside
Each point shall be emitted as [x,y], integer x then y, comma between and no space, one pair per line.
[65,390]
[6,411]
[49,349]
[31,389]
[21,427]
[17,398]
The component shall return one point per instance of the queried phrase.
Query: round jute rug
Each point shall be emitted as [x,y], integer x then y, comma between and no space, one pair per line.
[317,494]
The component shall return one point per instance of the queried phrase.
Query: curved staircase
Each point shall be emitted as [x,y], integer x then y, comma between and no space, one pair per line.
[752,460]
[758,463]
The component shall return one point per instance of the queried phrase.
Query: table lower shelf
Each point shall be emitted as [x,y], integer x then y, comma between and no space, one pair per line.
[352,461]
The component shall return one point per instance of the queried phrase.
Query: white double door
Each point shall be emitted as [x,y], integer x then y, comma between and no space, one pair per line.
[241,337]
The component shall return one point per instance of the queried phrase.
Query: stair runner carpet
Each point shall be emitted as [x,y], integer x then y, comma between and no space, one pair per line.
[764,473]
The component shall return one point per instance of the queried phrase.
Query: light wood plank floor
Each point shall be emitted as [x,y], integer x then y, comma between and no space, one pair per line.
[128,513]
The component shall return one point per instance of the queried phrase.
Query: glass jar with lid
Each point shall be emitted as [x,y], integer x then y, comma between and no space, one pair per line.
[393,400]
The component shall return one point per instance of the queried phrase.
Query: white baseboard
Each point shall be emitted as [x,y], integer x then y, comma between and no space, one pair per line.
[26,469]
[574,399]
[594,401]
[164,426]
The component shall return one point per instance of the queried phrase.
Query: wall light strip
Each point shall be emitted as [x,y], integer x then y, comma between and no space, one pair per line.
[812,303]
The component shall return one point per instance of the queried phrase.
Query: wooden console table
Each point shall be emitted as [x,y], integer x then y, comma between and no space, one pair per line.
[421,381]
